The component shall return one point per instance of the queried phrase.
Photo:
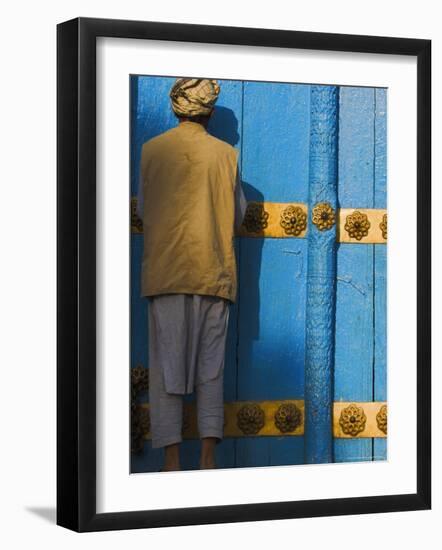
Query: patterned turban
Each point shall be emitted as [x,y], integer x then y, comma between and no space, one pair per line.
[194,96]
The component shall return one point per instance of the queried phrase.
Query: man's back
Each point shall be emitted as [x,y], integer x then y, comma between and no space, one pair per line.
[189,180]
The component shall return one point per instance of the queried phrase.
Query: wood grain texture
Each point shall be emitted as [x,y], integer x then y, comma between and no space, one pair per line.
[354,338]
[272,271]
[321,277]
[150,116]
[380,256]
[270,125]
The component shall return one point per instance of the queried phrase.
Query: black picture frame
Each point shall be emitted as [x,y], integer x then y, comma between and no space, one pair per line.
[76,273]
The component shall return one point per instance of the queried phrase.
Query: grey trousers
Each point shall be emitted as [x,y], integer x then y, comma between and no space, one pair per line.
[187,338]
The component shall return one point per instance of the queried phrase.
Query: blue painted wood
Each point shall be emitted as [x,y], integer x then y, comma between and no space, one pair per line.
[380,261]
[151,115]
[276,122]
[321,274]
[270,124]
[355,265]
[276,147]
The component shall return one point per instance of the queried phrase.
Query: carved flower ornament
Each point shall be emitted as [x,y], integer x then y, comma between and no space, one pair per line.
[288,417]
[323,216]
[352,420]
[383,226]
[139,379]
[381,419]
[293,220]
[357,225]
[144,420]
[255,218]
[250,418]
[135,220]
[140,418]
[140,425]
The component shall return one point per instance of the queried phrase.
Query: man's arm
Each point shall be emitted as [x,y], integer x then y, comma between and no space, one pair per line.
[240,202]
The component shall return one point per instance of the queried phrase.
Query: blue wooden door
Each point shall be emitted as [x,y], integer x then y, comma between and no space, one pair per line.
[360,355]
[270,124]
[271,304]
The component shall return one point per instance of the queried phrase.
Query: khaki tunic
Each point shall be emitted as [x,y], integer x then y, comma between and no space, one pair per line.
[189,180]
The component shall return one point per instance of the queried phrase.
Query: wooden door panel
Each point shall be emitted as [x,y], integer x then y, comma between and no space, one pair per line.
[265,355]
[360,297]
[272,271]
[380,260]
[354,295]
[150,116]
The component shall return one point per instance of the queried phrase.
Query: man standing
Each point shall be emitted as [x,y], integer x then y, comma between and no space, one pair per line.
[191,201]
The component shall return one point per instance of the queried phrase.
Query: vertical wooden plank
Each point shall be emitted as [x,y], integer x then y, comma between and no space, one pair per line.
[321,278]
[380,260]
[276,147]
[355,266]
[150,115]
[272,271]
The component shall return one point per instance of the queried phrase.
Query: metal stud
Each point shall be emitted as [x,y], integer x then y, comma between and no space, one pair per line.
[323,216]
[135,221]
[255,218]
[139,379]
[381,419]
[352,420]
[293,220]
[357,225]
[383,226]
[250,419]
[288,417]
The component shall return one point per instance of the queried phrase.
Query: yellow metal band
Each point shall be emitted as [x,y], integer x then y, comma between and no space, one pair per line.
[288,220]
[249,419]
[274,219]
[351,420]
[354,420]
[362,225]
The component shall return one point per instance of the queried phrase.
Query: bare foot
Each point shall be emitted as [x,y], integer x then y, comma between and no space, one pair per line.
[207,457]
[170,468]
[171,458]
[207,466]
